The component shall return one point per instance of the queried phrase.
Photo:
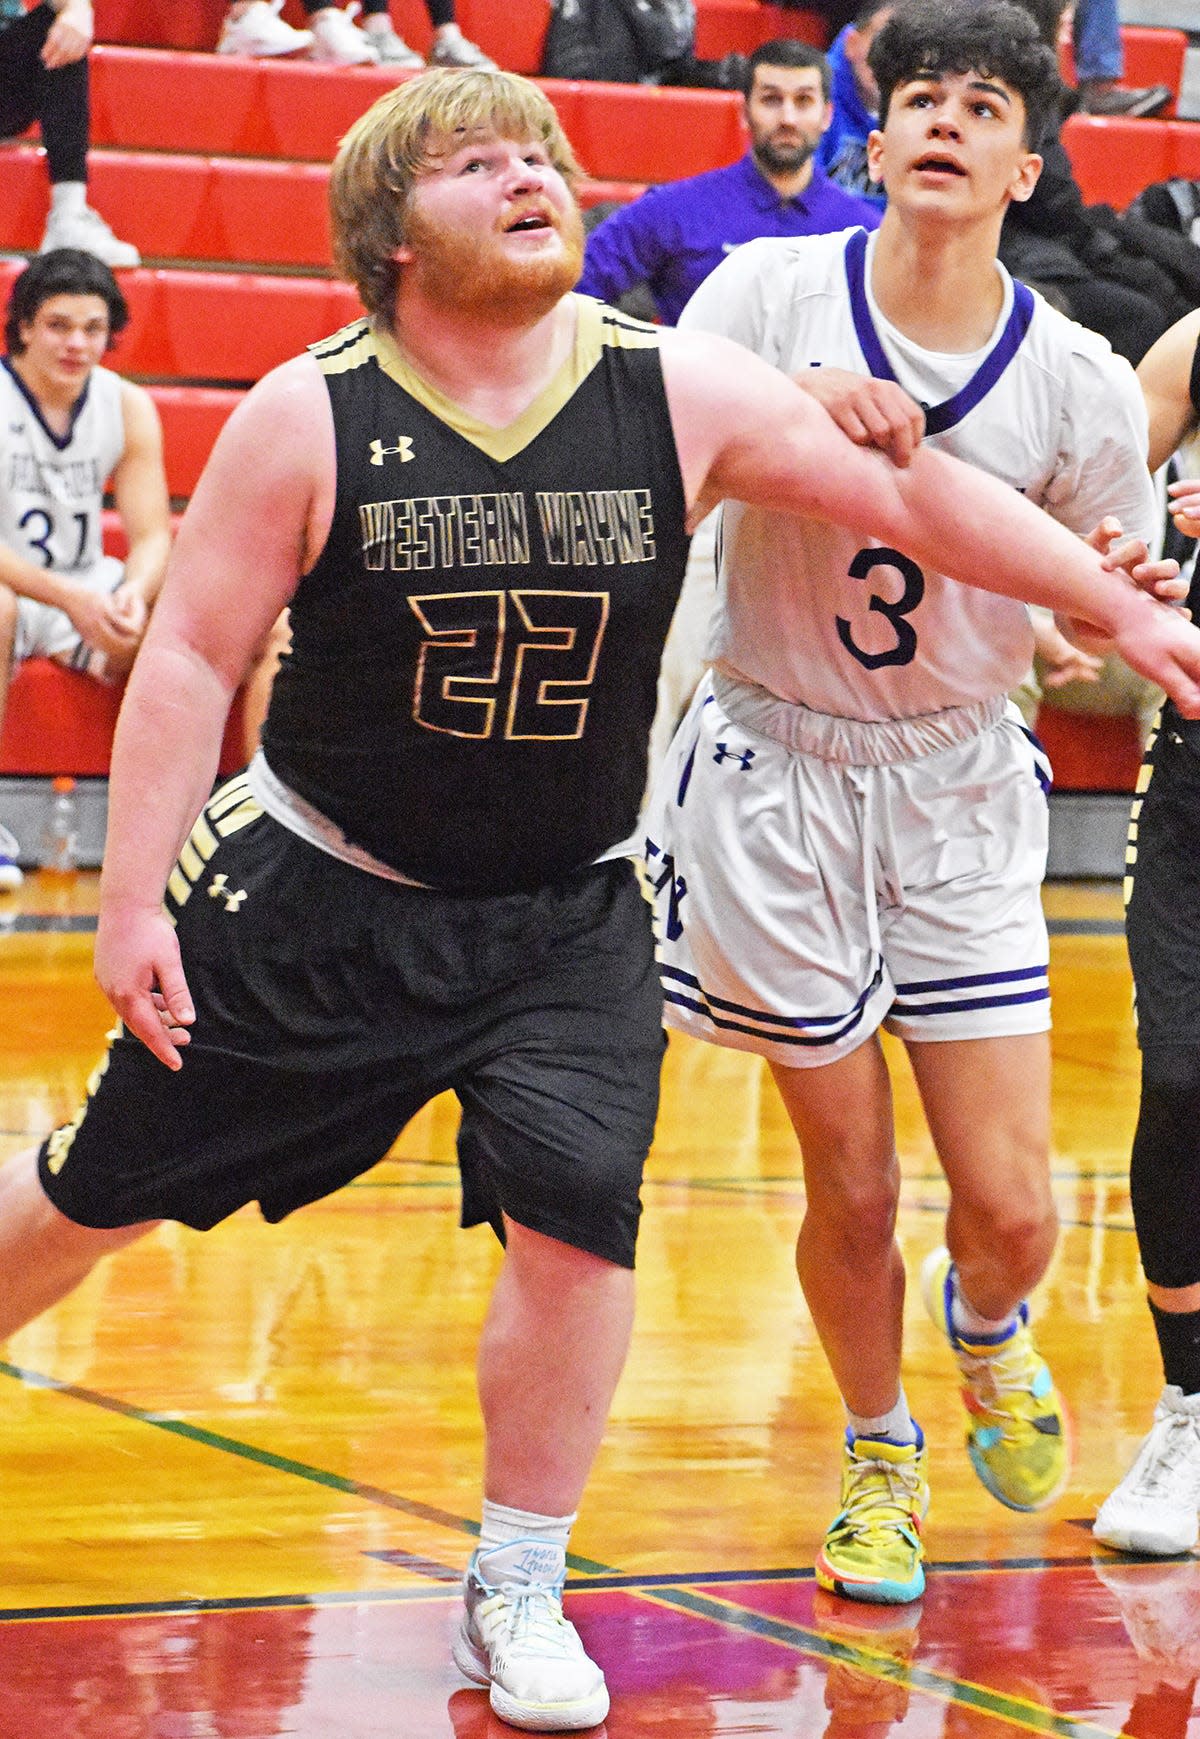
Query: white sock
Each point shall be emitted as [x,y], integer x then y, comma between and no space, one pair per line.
[68,197]
[970,1325]
[500,1526]
[447,32]
[377,24]
[896,1424]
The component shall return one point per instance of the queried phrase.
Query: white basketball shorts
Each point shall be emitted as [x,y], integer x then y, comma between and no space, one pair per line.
[43,631]
[882,874]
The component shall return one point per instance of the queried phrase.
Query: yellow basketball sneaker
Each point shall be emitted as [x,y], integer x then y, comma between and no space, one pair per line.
[873,1548]
[1017,1431]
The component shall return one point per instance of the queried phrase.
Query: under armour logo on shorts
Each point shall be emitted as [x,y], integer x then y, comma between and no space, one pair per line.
[219,890]
[743,757]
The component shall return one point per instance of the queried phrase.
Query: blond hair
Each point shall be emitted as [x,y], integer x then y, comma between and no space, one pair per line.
[402,135]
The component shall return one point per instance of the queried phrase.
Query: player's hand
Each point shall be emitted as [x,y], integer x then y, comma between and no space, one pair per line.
[1161,643]
[98,624]
[127,610]
[70,36]
[871,413]
[1185,505]
[139,969]
[1061,660]
[1131,556]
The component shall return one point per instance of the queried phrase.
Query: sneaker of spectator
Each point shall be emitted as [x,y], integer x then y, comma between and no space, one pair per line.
[10,870]
[1106,97]
[338,41]
[389,45]
[74,224]
[254,28]
[452,48]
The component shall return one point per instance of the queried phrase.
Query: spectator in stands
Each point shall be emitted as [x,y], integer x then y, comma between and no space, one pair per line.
[1097,267]
[675,235]
[254,27]
[842,153]
[68,427]
[1100,62]
[44,78]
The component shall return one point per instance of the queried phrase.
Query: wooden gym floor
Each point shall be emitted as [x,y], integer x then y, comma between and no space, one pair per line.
[239,1474]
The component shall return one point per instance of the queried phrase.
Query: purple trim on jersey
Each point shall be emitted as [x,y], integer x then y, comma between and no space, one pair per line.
[685,778]
[768,1023]
[61,442]
[938,418]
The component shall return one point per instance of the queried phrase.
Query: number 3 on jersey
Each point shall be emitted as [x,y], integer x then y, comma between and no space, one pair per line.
[896,611]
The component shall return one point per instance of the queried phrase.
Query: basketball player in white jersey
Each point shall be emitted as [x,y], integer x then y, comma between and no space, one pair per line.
[850,830]
[68,428]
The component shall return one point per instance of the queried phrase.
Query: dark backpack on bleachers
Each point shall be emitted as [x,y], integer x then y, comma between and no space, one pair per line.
[624,41]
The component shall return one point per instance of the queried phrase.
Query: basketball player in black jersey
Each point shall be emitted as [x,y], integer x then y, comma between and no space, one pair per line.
[1156,1507]
[475,504]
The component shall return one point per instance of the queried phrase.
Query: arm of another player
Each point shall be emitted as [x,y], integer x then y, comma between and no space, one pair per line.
[745,432]
[139,484]
[260,513]
[1164,374]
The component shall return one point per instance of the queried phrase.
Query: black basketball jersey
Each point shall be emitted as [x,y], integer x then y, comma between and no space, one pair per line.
[475,652]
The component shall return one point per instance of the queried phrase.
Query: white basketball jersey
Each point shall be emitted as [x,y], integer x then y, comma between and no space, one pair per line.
[52,487]
[857,630]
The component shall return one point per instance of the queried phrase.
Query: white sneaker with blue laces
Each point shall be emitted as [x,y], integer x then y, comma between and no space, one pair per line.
[514,1639]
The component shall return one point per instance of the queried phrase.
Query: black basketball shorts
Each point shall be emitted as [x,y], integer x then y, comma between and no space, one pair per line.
[332,1004]
[1162,917]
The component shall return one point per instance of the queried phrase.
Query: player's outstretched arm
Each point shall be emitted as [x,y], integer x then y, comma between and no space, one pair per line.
[746,433]
[259,513]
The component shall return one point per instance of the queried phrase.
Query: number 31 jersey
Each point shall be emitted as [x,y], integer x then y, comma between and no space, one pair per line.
[854,629]
[51,486]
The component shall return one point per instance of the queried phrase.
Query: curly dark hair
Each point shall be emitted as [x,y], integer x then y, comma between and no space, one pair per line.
[62,272]
[995,37]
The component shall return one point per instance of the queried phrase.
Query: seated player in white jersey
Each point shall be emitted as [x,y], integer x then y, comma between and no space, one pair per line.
[850,830]
[68,428]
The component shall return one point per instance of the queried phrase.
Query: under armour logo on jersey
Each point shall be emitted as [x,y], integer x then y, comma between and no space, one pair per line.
[743,757]
[403,446]
[219,890]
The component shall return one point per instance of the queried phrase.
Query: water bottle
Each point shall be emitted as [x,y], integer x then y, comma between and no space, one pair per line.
[60,833]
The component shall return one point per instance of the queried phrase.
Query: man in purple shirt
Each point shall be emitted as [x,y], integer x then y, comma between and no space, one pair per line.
[675,235]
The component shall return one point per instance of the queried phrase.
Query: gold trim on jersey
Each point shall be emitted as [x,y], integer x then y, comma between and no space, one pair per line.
[61,1141]
[228,812]
[597,328]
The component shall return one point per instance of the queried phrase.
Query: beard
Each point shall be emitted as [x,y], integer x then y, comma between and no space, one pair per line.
[783,159]
[461,274]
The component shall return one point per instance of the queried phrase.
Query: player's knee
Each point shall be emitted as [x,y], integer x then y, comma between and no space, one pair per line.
[1164,1173]
[855,1209]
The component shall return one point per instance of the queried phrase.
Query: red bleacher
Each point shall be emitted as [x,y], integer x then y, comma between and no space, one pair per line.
[216,167]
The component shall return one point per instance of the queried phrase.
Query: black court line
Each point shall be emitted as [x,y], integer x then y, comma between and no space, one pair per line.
[1085,926]
[264,1457]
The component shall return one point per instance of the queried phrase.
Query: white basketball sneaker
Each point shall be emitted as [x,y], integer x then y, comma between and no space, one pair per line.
[1155,1508]
[260,32]
[86,229]
[514,1639]
[338,41]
